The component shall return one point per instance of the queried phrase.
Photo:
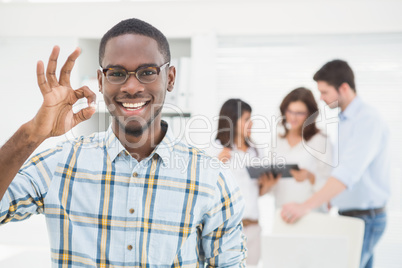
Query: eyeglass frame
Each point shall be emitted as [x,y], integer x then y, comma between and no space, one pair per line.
[135,72]
[297,114]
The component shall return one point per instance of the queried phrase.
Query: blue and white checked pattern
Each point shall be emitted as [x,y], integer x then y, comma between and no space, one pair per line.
[104,209]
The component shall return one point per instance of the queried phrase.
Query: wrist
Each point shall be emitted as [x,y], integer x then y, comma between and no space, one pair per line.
[31,135]
[311,177]
[309,204]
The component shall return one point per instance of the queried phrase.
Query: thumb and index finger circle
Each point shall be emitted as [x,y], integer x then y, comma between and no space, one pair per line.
[86,113]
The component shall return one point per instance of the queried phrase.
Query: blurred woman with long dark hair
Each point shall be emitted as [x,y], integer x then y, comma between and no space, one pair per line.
[235,148]
[302,143]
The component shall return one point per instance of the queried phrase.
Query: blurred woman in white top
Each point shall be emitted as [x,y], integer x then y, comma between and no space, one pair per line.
[235,149]
[302,143]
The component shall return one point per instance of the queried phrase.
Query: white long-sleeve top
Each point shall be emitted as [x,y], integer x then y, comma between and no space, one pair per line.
[314,155]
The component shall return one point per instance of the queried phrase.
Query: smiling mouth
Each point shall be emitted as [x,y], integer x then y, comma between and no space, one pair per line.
[130,106]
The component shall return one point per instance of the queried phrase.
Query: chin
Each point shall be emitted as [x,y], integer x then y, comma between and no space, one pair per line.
[136,129]
[134,132]
[333,105]
[295,126]
[131,128]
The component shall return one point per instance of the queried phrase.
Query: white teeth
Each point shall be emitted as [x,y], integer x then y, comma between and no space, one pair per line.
[133,105]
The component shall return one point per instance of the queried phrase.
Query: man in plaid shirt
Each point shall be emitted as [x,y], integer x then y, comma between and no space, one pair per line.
[118,198]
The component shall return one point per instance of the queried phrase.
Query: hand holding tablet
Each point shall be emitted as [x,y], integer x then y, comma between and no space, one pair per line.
[284,170]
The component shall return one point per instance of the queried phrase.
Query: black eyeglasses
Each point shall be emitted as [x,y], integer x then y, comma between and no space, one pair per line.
[146,75]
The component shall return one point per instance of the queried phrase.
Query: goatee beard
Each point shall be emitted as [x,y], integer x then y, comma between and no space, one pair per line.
[137,132]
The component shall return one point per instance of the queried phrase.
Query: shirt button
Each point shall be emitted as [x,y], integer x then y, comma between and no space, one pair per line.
[131,210]
[135,174]
[129,247]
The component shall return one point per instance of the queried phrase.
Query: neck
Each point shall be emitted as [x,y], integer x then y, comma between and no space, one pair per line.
[345,103]
[240,143]
[294,132]
[142,146]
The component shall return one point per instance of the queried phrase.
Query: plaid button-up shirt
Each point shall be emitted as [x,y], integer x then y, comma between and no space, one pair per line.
[176,208]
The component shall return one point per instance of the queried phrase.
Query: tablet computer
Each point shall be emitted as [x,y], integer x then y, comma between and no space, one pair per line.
[284,170]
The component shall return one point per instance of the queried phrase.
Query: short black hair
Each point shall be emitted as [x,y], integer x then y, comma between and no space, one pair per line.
[335,73]
[135,26]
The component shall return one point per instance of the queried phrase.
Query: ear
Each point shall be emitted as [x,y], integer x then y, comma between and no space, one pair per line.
[99,78]
[171,78]
[344,88]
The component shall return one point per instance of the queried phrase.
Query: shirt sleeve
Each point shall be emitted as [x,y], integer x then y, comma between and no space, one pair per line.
[358,151]
[25,195]
[223,241]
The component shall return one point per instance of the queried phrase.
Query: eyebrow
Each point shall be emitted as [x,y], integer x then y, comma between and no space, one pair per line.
[122,67]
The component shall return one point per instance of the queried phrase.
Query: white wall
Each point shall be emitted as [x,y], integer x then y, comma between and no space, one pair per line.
[184,18]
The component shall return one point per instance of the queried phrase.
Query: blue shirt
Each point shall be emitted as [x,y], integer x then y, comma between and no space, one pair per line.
[364,158]
[176,208]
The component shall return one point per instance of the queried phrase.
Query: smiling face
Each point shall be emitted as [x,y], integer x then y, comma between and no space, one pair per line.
[135,106]
[296,113]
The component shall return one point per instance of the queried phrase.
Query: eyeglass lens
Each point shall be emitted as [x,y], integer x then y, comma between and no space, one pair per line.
[120,75]
[300,114]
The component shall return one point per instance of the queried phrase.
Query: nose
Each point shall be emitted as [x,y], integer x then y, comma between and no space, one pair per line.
[132,85]
[292,118]
[291,115]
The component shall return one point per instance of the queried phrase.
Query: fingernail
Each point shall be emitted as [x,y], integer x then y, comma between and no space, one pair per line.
[93,105]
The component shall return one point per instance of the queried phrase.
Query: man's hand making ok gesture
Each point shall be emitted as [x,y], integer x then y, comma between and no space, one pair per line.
[55,117]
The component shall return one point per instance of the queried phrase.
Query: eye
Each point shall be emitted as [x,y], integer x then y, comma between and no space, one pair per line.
[116,73]
[147,71]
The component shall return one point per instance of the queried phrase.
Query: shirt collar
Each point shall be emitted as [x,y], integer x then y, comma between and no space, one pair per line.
[350,109]
[113,145]
[164,149]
